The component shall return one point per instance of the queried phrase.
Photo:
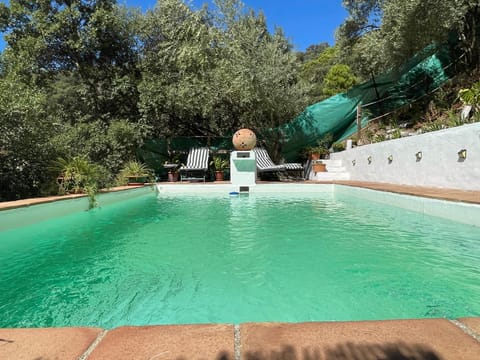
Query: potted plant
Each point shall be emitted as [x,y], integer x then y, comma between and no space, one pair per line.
[172,165]
[172,168]
[220,164]
[135,173]
[321,151]
[172,175]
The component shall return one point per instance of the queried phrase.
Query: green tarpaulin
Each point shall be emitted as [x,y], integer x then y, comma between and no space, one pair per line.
[382,94]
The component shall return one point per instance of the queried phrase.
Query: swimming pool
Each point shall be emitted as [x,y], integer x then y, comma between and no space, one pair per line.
[264,257]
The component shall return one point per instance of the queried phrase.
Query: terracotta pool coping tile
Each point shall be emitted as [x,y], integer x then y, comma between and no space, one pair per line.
[187,342]
[473,323]
[45,343]
[429,192]
[392,339]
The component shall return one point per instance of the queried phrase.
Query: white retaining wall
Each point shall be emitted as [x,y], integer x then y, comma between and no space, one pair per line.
[440,165]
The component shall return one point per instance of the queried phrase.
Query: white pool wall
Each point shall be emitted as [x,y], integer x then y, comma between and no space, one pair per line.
[252,189]
[465,213]
[27,215]
[439,167]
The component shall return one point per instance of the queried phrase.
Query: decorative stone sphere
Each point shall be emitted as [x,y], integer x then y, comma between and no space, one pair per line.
[244,139]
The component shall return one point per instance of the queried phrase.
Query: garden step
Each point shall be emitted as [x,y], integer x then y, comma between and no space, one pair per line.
[329,176]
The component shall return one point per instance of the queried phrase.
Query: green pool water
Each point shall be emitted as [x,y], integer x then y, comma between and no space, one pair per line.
[190,259]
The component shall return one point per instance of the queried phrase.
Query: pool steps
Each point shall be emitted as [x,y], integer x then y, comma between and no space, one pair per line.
[335,171]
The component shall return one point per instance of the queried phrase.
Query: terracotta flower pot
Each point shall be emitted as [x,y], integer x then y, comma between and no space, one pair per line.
[172,176]
[219,176]
[319,167]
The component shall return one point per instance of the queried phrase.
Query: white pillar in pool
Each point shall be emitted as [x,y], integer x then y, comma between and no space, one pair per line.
[243,168]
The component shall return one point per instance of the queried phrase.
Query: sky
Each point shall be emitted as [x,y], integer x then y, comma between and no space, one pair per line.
[304,22]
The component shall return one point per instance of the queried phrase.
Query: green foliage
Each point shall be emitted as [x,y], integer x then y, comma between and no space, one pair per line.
[25,150]
[220,163]
[380,35]
[338,146]
[314,71]
[79,175]
[322,147]
[471,96]
[134,169]
[106,144]
[396,134]
[379,137]
[69,87]
[209,72]
[434,126]
[338,79]
[312,52]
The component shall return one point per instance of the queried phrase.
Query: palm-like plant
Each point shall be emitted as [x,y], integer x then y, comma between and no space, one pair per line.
[135,169]
[76,174]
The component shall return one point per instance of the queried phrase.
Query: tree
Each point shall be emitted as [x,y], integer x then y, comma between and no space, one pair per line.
[75,63]
[176,69]
[209,72]
[405,35]
[313,73]
[338,79]
[379,35]
[312,52]
[24,145]
[90,45]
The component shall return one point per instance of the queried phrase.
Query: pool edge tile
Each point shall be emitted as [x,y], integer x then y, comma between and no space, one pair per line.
[421,338]
[206,341]
[46,343]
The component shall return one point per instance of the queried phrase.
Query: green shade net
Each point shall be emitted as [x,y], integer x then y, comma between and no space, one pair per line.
[337,115]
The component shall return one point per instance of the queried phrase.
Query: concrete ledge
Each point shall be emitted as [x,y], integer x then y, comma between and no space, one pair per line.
[47,343]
